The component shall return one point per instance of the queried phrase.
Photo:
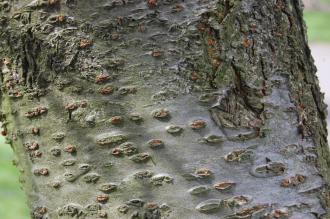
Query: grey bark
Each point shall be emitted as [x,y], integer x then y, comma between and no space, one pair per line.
[164,109]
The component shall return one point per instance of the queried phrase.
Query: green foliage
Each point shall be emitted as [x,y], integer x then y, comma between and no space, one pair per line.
[327,1]
[318,26]
[13,200]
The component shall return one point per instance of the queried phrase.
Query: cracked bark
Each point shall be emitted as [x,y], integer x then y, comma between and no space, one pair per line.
[164,109]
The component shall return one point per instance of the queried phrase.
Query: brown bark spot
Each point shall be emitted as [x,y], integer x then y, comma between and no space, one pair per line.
[35,131]
[221,186]
[203,172]
[117,152]
[42,172]
[161,113]
[280,213]
[6,61]
[194,76]
[40,210]
[84,43]
[83,104]
[198,124]
[116,120]
[152,3]
[293,181]
[246,43]
[215,63]
[106,90]
[53,2]
[249,211]
[151,206]
[35,154]
[156,53]
[36,112]
[32,146]
[211,42]
[101,78]
[120,20]
[155,143]
[61,18]
[115,35]
[102,198]
[70,149]
[71,106]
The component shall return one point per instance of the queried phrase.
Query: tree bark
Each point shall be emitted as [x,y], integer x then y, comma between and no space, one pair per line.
[164,109]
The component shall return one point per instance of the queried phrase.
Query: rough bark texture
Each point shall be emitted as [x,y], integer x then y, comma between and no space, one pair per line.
[164,109]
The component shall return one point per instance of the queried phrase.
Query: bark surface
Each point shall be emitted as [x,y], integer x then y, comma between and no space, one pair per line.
[164,109]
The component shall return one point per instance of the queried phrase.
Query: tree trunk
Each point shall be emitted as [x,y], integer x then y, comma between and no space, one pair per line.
[164,109]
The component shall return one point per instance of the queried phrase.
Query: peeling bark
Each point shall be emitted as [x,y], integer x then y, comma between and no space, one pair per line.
[164,109]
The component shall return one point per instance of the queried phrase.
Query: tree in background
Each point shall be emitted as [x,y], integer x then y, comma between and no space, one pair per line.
[164,109]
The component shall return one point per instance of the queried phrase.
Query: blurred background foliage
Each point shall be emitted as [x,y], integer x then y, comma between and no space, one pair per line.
[317,17]
[12,198]
[318,23]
